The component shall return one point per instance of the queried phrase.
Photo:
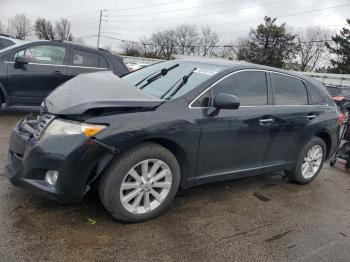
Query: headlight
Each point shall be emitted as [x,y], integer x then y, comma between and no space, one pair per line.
[66,127]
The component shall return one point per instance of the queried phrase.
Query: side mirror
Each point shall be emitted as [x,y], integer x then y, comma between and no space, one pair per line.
[21,60]
[226,101]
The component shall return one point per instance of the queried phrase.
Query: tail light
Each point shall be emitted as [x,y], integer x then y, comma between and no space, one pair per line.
[340,117]
[338,98]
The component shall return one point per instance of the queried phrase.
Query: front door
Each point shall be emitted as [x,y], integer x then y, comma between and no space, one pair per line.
[47,68]
[234,141]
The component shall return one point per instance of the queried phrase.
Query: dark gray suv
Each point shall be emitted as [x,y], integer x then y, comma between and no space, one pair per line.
[30,71]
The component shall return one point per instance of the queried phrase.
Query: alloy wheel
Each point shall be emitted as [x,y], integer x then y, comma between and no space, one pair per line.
[312,161]
[145,186]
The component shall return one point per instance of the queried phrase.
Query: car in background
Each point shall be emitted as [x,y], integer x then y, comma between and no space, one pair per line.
[171,125]
[341,96]
[7,40]
[30,71]
[135,66]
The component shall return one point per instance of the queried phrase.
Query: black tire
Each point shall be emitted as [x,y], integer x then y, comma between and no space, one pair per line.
[295,175]
[112,178]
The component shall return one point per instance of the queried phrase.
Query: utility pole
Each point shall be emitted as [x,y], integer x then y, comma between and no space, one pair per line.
[99,29]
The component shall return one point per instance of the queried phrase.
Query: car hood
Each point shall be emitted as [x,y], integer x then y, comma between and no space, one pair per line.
[101,90]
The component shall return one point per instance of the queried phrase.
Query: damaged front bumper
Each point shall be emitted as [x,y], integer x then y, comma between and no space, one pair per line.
[75,157]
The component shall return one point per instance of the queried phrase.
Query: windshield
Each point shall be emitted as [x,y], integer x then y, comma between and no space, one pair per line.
[161,85]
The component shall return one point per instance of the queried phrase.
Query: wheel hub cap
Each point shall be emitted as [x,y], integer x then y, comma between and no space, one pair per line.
[145,186]
[312,162]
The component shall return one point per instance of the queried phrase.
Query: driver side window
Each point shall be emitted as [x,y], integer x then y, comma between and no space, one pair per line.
[249,86]
[43,54]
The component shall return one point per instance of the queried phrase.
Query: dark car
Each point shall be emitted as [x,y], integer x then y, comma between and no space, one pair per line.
[30,71]
[341,96]
[171,125]
[7,40]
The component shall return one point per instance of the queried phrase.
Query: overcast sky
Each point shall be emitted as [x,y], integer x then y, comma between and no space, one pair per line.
[132,20]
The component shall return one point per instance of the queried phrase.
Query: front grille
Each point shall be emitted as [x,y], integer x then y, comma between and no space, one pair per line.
[35,124]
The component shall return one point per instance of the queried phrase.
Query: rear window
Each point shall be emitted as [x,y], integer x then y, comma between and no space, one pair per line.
[289,90]
[85,58]
[168,82]
[333,91]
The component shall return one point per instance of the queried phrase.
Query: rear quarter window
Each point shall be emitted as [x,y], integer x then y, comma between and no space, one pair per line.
[314,97]
[289,90]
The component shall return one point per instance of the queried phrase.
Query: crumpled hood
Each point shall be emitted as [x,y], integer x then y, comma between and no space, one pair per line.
[96,91]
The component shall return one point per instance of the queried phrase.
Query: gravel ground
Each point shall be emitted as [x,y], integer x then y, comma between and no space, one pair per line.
[264,218]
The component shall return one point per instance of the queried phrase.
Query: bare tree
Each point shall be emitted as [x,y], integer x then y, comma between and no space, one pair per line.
[131,48]
[44,29]
[187,39]
[62,29]
[21,26]
[2,28]
[164,43]
[208,40]
[312,48]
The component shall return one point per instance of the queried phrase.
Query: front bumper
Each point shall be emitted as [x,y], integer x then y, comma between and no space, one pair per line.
[75,157]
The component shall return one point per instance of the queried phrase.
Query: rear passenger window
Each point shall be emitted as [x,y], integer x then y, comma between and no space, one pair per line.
[85,58]
[314,97]
[102,62]
[289,90]
[249,86]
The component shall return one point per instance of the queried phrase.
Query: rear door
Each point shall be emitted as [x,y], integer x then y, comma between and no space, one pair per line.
[293,117]
[47,68]
[84,61]
[235,141]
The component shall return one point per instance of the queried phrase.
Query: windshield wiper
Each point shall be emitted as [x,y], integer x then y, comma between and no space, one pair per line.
[152,77]
[183,80]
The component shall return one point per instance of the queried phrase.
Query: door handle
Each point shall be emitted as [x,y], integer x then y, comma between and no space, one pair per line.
[57,73]
[311,116]
[266,121]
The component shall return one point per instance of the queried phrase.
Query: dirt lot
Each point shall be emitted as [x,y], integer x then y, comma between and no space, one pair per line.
[257,219]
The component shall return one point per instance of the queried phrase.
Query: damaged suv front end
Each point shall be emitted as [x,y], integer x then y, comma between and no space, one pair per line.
[57,152]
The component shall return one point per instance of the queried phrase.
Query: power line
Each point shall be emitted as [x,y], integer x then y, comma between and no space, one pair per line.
[146,6]
[237,9]
[175,10]
[199,15]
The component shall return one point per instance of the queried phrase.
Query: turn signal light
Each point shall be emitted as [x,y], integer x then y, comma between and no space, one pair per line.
[92,130]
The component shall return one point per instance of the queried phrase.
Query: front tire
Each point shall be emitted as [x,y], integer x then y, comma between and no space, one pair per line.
[141,183]
[310,162]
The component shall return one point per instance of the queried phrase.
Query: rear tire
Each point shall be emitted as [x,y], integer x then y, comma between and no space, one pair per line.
[310,162]
[137,172]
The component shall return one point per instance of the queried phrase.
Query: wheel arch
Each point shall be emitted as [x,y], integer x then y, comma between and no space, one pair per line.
[325,136]
[172,146]
[178,152]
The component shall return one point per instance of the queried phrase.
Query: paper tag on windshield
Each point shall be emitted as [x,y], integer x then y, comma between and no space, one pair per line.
[205,71]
